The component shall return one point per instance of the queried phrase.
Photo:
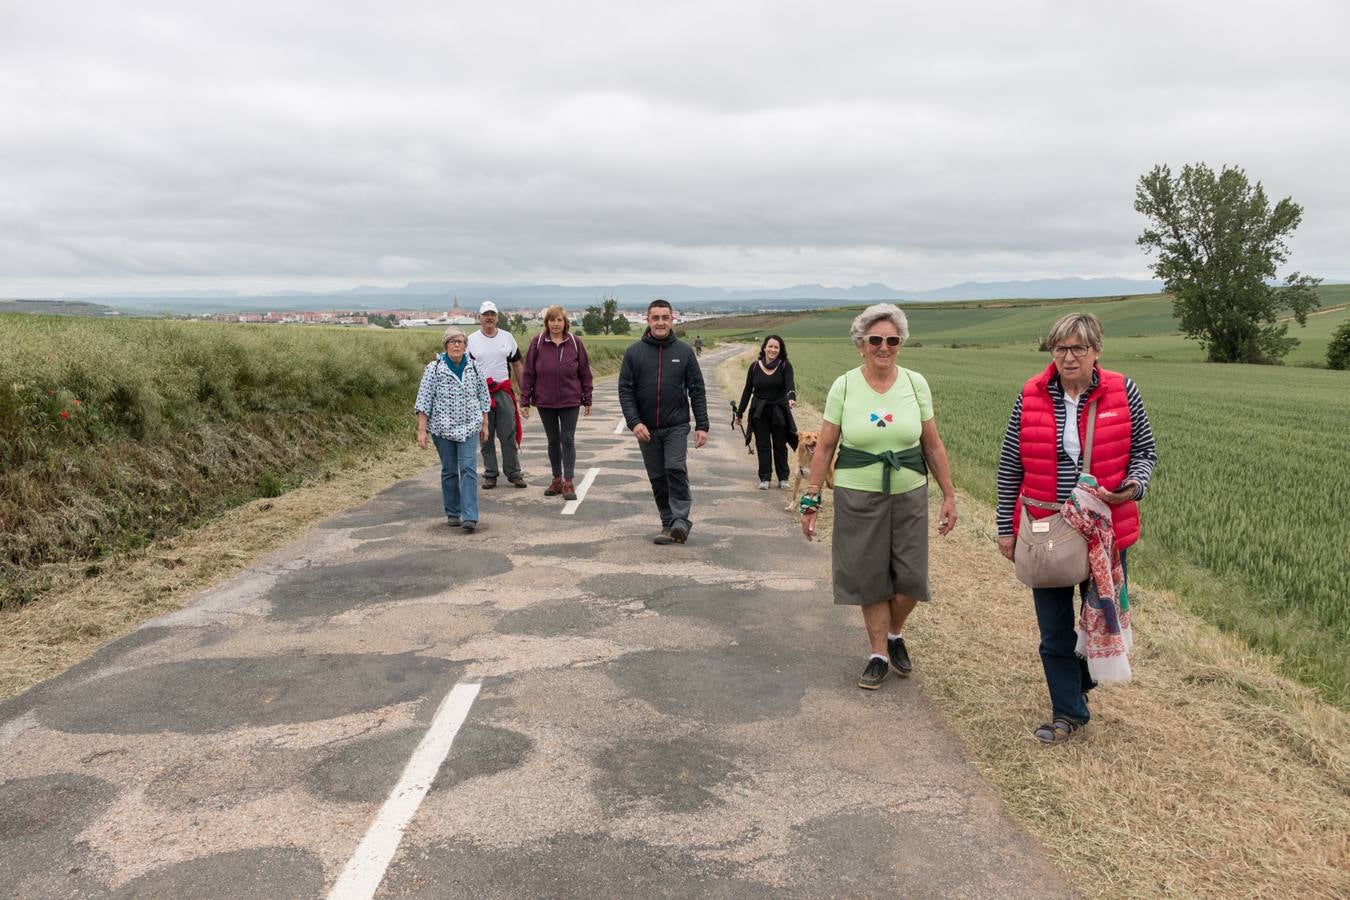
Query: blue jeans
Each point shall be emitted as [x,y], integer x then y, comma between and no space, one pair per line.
[1066,673]
[459,476]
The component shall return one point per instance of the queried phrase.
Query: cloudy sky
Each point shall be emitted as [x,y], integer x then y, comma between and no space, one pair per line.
[260,145]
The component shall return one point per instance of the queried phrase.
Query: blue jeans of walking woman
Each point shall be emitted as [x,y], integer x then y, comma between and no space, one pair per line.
[459,476]
[1066,673]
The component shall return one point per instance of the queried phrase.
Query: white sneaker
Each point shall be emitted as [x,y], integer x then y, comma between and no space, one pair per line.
[783,485]
[763,485]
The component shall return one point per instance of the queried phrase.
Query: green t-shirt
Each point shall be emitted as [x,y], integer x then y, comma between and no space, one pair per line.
[878,422]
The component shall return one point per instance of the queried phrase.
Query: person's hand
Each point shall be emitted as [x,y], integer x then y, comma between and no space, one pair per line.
[586,410]
[809,524]
[700,438]
[524,412]
[641,433]
[947,517]
[1118,496]
[422,438]
[792,404]
[483,435]
[1005,545]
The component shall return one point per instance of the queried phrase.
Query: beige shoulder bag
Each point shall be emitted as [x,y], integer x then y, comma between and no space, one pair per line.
[1050,552]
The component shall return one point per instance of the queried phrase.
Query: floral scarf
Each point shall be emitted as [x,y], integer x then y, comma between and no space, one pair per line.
[1104,635]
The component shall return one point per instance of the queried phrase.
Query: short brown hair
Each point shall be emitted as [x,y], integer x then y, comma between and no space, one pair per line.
[557,312]
[1084,325]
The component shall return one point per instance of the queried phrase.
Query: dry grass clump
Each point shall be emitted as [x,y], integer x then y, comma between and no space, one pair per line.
[1210,774]
[77,613]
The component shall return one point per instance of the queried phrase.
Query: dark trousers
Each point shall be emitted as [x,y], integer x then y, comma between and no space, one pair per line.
[501,427]
[768,438]
[1066,673]
[561,427]
[664,458]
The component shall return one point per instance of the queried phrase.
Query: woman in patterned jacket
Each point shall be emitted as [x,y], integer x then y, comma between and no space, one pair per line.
[452,406]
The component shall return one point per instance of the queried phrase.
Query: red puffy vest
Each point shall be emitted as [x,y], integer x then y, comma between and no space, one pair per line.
[1110,447]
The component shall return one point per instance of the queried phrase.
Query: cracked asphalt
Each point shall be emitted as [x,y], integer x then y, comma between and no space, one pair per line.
[675,721]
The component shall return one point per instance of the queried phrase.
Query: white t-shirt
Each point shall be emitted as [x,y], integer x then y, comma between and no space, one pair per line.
[492,354]
[1072,445]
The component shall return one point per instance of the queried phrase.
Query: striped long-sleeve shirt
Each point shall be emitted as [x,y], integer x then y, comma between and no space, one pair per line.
[1143,451]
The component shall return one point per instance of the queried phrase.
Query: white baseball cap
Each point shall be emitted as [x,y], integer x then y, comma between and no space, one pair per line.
[487,307]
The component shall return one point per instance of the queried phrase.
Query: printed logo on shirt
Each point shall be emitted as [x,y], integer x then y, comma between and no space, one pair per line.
[880,417]
[1109,414]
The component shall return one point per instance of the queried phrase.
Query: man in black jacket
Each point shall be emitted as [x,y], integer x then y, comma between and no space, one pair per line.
[659,379]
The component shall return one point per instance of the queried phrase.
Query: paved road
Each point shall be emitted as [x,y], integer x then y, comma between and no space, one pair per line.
[551,707]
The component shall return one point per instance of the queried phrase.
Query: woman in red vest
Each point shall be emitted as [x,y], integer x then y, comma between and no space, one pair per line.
[1040,462]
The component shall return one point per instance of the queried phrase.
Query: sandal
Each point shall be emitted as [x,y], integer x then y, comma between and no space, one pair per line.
[1057,731]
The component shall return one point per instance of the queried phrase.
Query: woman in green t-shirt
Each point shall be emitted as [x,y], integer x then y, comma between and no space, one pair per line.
[880,416]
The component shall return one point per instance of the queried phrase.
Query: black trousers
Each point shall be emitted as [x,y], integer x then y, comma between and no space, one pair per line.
[769,439]
[561,427]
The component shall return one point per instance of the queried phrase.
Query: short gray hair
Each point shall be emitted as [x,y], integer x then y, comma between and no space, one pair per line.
[874,314]
[1081,325]
[452,331]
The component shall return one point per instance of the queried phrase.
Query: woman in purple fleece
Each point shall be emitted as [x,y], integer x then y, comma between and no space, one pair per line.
[557,380]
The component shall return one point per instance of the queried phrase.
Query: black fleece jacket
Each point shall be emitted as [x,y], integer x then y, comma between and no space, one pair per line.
[657,383]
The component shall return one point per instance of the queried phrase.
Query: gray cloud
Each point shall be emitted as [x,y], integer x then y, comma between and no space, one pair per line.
[195,144]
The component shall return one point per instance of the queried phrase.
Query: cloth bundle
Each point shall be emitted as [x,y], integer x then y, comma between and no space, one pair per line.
[1104,635]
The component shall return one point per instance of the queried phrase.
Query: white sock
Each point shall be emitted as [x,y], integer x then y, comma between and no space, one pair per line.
[894,637]
[879,656]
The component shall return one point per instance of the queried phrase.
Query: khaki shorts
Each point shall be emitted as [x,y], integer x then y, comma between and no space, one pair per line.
[880,546]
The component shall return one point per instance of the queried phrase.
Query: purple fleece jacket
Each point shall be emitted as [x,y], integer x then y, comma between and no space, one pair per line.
[556,376]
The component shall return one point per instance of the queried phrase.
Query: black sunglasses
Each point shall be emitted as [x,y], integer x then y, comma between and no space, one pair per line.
[892,340]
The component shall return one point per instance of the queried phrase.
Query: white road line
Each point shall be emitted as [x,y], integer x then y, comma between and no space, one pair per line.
[365,870]
[570,507]
[618,429]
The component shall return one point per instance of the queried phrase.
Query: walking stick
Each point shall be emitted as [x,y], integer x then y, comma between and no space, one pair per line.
[736,424]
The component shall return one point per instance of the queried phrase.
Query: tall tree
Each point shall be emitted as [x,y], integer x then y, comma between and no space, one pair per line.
[1219,243]
[604,319]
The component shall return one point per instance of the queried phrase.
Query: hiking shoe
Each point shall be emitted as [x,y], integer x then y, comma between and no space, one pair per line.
[518,481]
[569,492]
[489,482]
[763,485]
[470,527]
[679,532]
[783,485]
[895,648]
[554,488]
[873,675]
[664,537]
[453,521]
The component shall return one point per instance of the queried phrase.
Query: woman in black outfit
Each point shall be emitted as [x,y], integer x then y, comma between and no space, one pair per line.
[770,380]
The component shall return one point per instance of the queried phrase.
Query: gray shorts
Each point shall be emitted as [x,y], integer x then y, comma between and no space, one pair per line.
[880,546]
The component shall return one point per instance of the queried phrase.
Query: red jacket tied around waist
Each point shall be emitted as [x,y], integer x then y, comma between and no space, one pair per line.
[1039,444]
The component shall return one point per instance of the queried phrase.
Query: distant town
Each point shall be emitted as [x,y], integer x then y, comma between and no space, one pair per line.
[407,318]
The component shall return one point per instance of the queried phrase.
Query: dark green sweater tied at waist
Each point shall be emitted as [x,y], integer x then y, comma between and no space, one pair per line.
[911,458]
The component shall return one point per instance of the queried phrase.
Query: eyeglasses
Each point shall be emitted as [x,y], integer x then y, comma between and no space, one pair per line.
[457,341]
[1074,350]
[891,340]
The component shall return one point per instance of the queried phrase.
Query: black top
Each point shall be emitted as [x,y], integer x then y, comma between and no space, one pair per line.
[659,381]
[776,387]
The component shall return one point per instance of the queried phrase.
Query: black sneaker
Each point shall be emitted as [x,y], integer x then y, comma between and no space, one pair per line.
[470,527]
[679,532]
[895,648]
[873,675]
[664,537]
[453,521]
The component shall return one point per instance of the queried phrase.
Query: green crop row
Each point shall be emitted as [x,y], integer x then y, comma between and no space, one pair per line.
[1250,492]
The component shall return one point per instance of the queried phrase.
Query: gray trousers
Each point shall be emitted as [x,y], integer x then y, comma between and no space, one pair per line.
[664,458]
[501,426]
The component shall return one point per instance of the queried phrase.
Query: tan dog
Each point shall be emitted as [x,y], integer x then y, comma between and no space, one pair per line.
[806,453]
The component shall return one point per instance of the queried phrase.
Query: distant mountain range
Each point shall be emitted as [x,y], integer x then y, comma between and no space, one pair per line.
[440,295]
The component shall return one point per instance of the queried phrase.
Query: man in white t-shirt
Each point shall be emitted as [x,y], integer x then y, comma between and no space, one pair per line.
[497,356]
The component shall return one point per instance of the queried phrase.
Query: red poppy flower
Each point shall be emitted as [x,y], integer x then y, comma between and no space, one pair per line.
[64,414]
